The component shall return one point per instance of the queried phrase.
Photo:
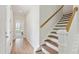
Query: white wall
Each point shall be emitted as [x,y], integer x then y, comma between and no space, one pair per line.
[75,24]
[77,21]
[69,41]
[2,29]
[32,26]
[45,12]
[67,9]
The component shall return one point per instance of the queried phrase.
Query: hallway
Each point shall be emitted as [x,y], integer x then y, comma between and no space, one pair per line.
[26,48]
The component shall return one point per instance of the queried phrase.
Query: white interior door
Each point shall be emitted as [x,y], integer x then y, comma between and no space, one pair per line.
[9,29]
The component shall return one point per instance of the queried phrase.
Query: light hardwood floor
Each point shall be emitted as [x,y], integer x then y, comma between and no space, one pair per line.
[26,49]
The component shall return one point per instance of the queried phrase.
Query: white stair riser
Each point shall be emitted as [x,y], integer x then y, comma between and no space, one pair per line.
[54,30]
[45,51]
[54,40]
[53,34]
[52,46]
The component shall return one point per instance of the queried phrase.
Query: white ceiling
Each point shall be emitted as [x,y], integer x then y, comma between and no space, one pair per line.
[21,9]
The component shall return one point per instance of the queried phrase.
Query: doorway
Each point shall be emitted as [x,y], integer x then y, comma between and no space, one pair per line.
[19,33]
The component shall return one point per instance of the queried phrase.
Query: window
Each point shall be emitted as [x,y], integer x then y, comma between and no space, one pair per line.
[18,27]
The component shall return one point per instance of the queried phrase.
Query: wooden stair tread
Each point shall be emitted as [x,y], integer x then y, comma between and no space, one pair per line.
[52,36]
[60,25]
[68,14]
[63,23]
[59,29]
[40,52]
[52,42]
[66,17]
[50,50]
[54,32]
[64,20]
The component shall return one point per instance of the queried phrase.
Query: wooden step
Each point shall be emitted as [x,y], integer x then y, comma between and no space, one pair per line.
[40,52]
[54,32]
[67,14]
[52,42]
[60,26]
[52,46]
[66,17]
[50,50]
[52,39]
[62,22]
[52,36]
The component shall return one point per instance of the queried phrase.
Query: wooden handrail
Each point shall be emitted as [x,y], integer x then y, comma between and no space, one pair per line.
[51,16]
[71,19]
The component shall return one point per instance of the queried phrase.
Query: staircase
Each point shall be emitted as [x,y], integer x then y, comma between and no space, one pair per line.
[51,43]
